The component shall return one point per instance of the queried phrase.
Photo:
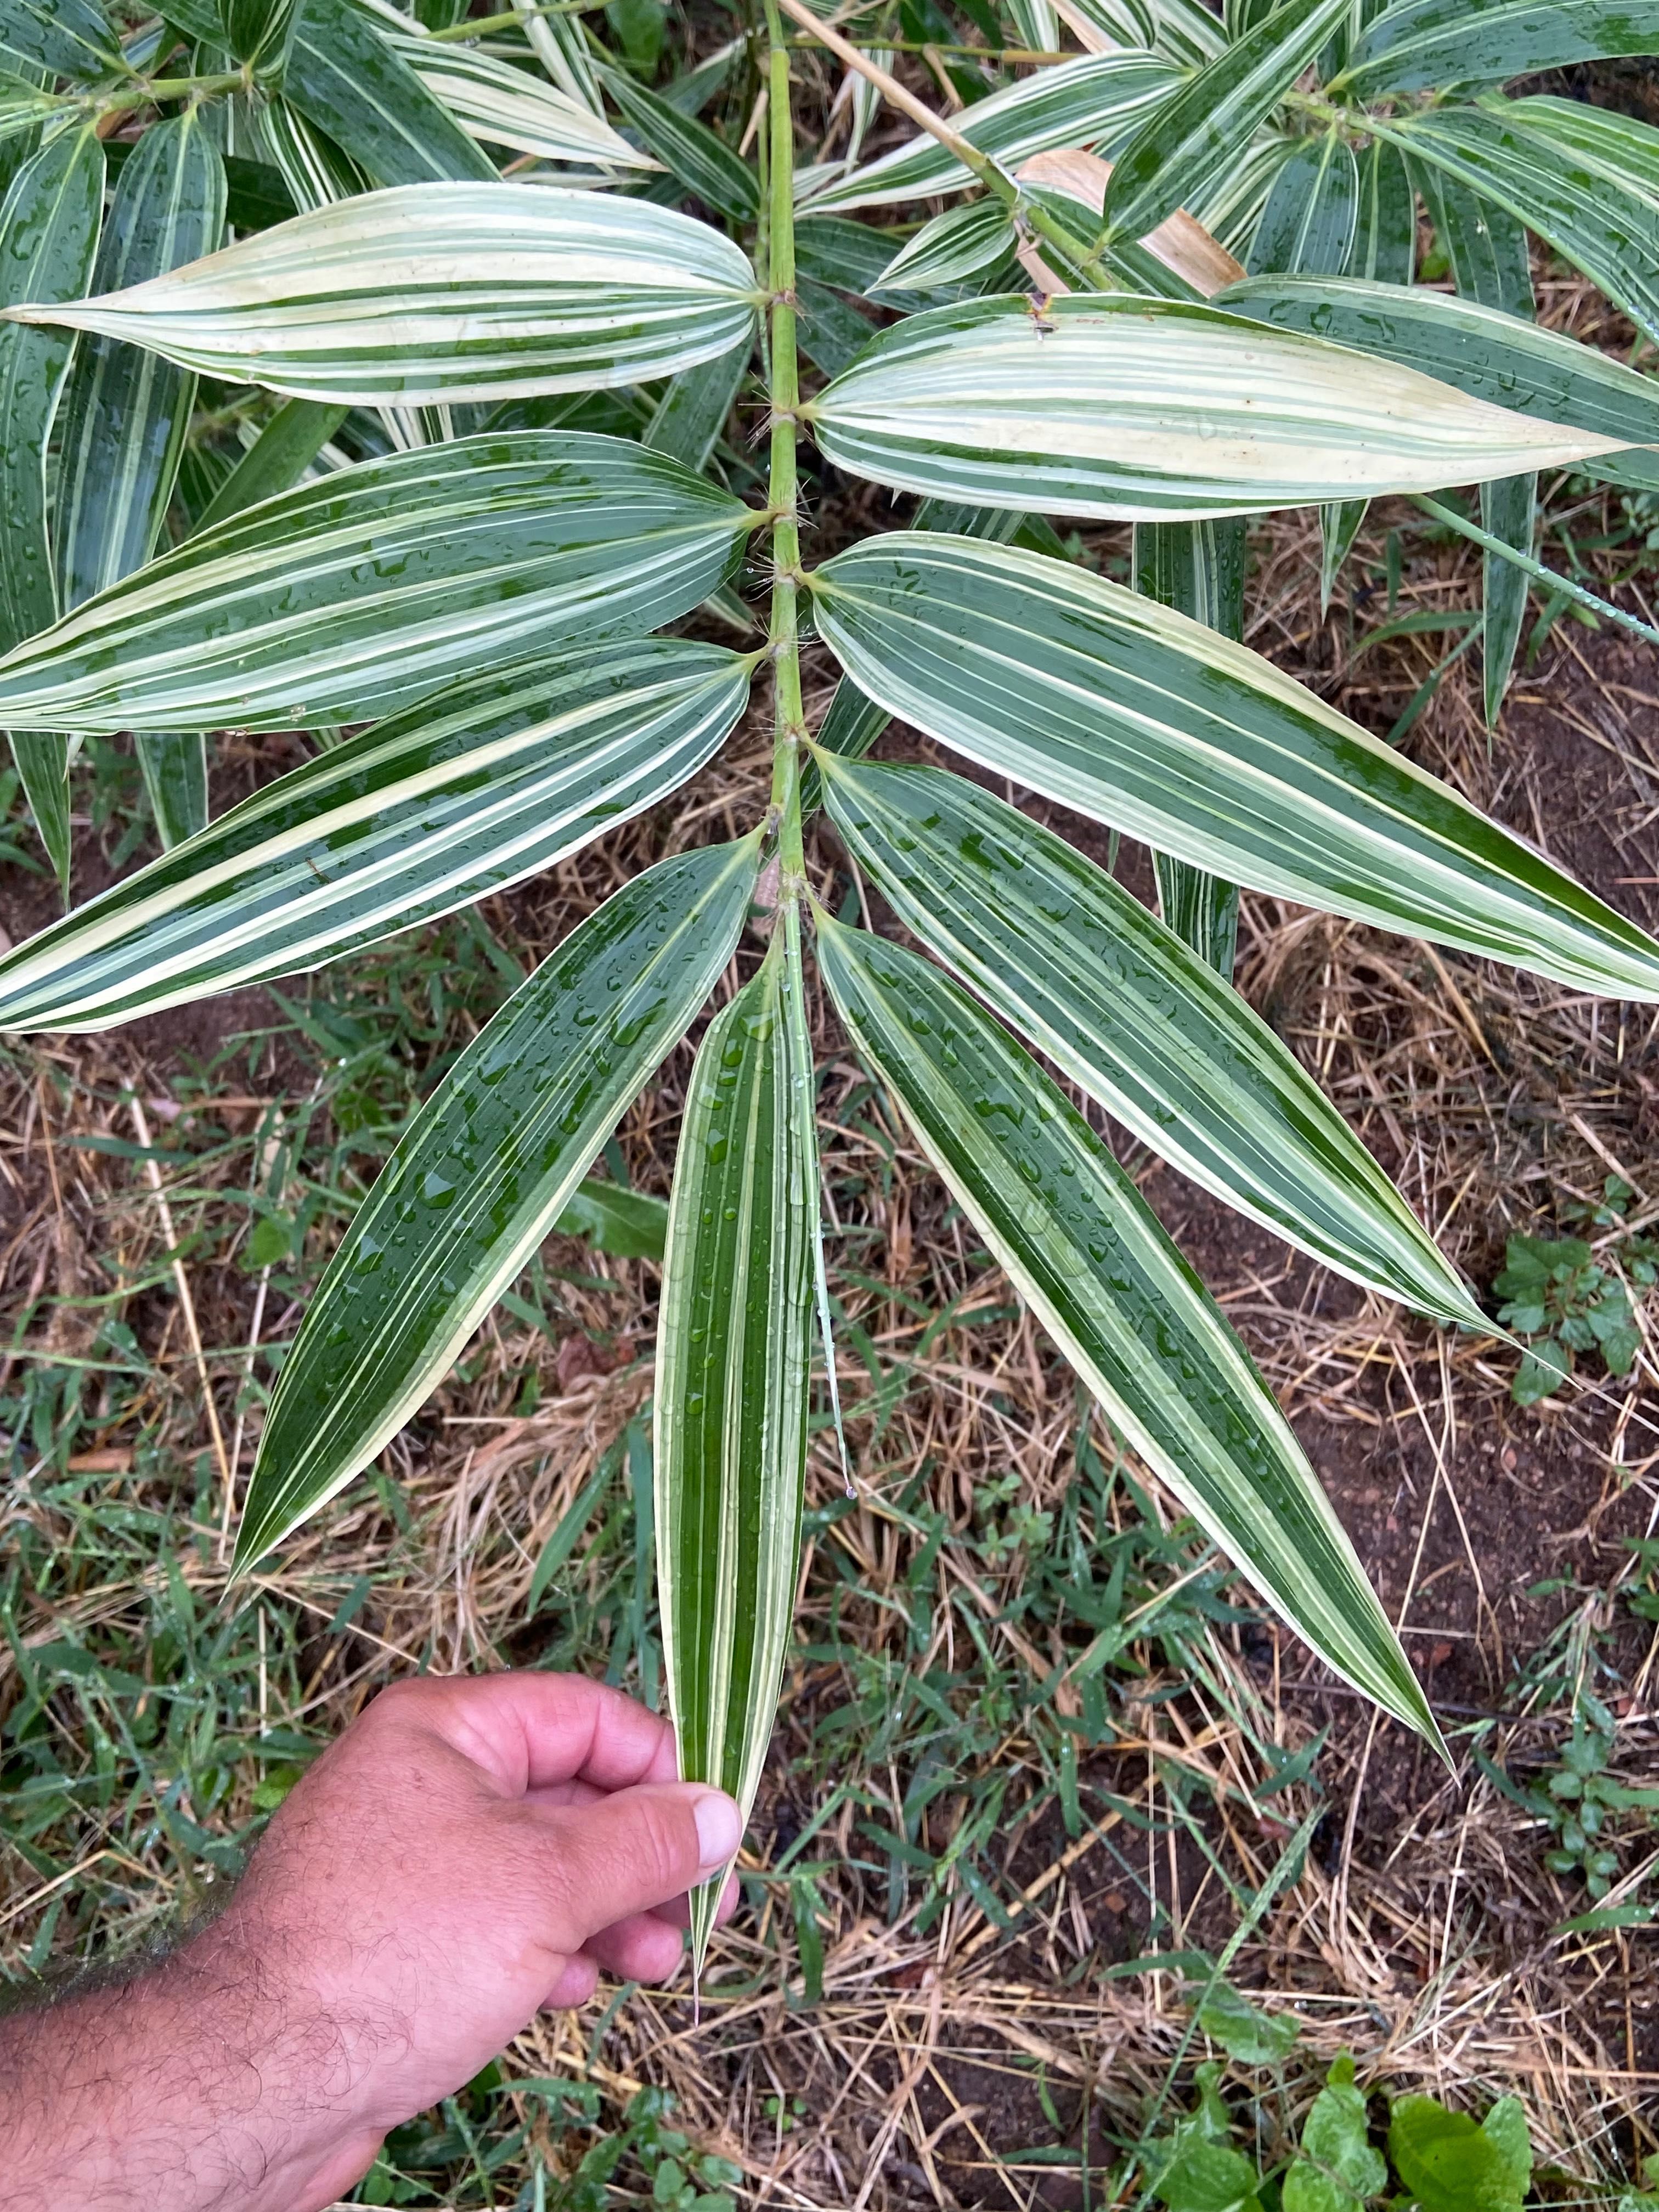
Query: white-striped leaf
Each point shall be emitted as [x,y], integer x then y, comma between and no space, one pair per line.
[734,1365]
[1144,720]
[1088,1257]
[173,764]
[360,591]
[442,292]
[342,74]
[1115,407]
[66,37]
[1152,1033]
[1192,138]
[508,106]
[1441,42]
[483,1172]
[1096,101]
[471,790]
[974,235]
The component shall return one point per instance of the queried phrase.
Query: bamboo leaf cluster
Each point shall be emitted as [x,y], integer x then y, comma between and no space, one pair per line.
[485,307]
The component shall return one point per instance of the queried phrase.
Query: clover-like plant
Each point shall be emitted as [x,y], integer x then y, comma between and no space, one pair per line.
[499,471]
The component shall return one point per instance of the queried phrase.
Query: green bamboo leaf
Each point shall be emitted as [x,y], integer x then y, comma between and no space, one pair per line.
[65,38]
[290,442]
[1385,240]
[363,590]
[1601,224]
[1133,715]
[1116,1001]
[704,164]
[1198,567]
[733,1367]
[1095,101]
[507,107]
[1312,211]
[1088,1257]
[342,75]
[613,1218]
[693,410]
[122,422]
[1479,350]
[473,789]
[483,1172]
[1509,510]
[173,764]
[48,237]
[1189,140]
[955,244]
[1441,42]
[500,291]
[1114,407]
[24,108]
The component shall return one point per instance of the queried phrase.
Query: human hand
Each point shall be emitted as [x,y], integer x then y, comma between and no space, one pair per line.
[469,1851]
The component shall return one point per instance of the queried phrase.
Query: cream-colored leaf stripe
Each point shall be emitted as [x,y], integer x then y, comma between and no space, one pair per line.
[436,293]
[1115,407]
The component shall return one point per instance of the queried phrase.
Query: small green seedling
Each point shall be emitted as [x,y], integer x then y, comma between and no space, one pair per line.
[1564,1300]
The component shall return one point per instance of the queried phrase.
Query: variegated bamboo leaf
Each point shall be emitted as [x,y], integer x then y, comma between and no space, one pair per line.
[1088,1255]
[1096,101]
[173,764]
[473,789]
[733,1366]
[65,38]
[963,240]
[508,106]
[364,590]
[483,1172]
[343,76]
[290,442]
[1135,1016]
[1144,720]
[1113,407]
[500,292]
[1444,42]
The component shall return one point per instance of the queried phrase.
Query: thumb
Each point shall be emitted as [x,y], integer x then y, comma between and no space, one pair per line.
[631,1850]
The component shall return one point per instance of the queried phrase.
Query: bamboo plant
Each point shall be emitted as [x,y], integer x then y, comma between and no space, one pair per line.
[486,471]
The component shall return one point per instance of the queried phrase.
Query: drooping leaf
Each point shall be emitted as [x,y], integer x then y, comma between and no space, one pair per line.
[508,106]
[483,1172]
[1145,1026]
[1602,225]
[1190,139]
[343,76]
[1385,237]
[48,236]
[173,764]
[65,38]
[734,1365]
[362,591]
[503,291]
[1312,211]
[1112,407]
[1096,101]
[1135,715]
[1088,1257]
[472,789]
[1617,148]
[704,164]
[122,422]
[1444,42]
[1198,566]
[276,460]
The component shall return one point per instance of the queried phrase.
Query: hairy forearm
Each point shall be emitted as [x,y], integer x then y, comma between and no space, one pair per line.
[201,2083]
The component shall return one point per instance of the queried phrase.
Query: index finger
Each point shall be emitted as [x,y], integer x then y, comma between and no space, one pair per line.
[530,1730]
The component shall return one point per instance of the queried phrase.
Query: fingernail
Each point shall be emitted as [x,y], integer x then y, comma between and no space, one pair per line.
[720,1829]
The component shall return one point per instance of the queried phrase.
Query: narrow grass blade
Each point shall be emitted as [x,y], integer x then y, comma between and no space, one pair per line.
[1117,1001]
[483,1172]
[1135,715]
[444,293]
[1192,137]
[122,422]
[276,460]
[1121,408]
[1096,101]
[1199,567]
[1440,42]
[471,790]
[343,76]
[1088,1255]
[174,768]
[734,1365]
[360,592]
